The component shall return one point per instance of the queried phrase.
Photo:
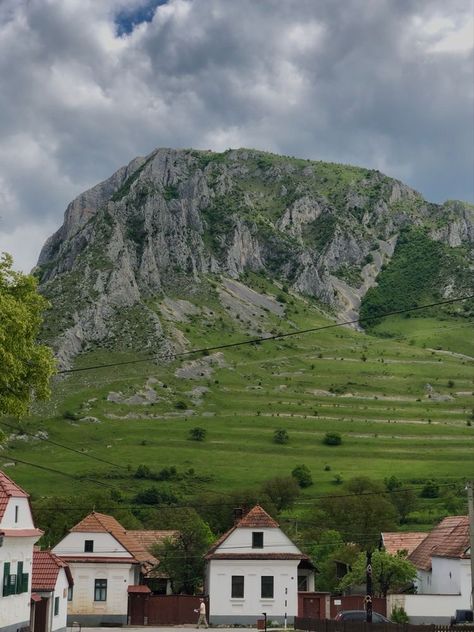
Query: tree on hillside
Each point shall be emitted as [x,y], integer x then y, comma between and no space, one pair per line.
[25,366]
[220,511]
[360,511]
[330,553]
[389,572]
[282,491]
[182,557]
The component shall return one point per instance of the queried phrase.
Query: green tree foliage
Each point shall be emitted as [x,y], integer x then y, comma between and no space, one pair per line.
[430,490]
[403,499]
[197,434]
[281,436]
[329,552]
[182,557]
[55,515]
[282,491]
[303,476]
[332,438]
[25,366]
[219,511]
[399,615]
[389,572]
[360,511]
[411,277]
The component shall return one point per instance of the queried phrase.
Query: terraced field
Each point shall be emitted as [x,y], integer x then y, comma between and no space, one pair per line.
[401,409]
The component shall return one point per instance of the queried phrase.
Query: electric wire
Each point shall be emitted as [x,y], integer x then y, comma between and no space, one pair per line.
[253,341]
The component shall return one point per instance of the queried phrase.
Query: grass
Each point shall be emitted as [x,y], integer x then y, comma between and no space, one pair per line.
[371,390]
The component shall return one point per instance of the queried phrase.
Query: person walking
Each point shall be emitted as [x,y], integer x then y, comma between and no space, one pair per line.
[202,614]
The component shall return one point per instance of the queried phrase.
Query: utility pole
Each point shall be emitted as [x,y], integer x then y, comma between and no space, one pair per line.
[470,503]
[368,579]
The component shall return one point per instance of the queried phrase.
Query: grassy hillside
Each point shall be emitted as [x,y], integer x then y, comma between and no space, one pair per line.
[402,404]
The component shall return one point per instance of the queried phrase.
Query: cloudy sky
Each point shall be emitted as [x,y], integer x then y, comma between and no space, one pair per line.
[86,85]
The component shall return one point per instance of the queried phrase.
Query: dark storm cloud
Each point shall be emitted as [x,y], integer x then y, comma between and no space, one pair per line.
[386,84]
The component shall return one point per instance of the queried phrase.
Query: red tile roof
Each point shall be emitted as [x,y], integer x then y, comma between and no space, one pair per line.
[46,567]
[449,539]
[137,542]
[256,556]
[139,589]
[8,489]
[22,533]
[103,559]
[402,541]
[257,518]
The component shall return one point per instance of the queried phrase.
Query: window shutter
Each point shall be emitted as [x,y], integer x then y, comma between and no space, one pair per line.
[6,579]
[24,582]
[19,577]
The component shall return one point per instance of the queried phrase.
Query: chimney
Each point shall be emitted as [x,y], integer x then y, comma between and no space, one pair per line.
[238,514]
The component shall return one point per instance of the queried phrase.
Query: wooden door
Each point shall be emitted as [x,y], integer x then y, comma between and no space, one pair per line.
[41,613]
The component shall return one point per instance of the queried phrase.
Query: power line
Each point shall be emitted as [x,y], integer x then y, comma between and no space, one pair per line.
[61,472]
[268,338]
[61,445]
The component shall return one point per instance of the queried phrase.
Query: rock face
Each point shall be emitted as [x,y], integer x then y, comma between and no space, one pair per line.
[162,224]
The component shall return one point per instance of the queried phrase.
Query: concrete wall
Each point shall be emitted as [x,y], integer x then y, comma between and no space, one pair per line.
[225,609]
[118,576]
[428,608]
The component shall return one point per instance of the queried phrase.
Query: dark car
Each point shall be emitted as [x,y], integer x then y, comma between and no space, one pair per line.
[360,615]
[462,617]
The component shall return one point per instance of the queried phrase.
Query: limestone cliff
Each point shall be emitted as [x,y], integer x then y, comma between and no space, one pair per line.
[168,222]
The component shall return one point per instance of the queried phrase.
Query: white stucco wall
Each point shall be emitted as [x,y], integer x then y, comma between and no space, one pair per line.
[118,576]
[104,545]
[24,519]
[284,572]
[58,621]
[424,609]
[274,541]
[15,609]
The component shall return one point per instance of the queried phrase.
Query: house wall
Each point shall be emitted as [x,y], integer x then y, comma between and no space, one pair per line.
[274,541]
[24,519]
[104,545]
[224,609]
[425,609]
[84,609]
[58,622]
[15,609]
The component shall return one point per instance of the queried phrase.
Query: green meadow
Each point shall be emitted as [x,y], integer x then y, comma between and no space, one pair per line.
[402,401]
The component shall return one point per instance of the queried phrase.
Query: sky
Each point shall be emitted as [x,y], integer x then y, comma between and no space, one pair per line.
[87,85]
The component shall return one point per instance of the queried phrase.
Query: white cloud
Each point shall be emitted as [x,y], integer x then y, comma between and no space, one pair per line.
[381,84]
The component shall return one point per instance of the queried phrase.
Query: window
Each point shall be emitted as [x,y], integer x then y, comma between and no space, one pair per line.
[88,546]
[100,590]
[302,583]
[14,584]
[56,606]
[257,539]
[16,513]
[69,593]
[237,587]
[267,586]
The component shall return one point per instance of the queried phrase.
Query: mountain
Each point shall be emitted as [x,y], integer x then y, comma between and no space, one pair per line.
[135,249]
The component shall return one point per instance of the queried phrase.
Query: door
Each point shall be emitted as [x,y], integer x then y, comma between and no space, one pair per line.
[41,615]
[311,607]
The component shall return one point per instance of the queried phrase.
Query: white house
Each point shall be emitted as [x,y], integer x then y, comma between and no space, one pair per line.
[51,584]
[443,579]
[105,560]
[255,568]
[17,538]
